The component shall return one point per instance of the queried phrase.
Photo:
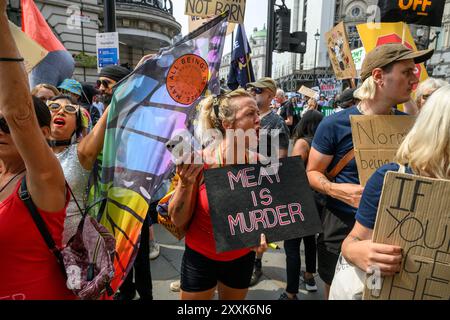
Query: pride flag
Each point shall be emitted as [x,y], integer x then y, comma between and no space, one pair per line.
[58,64]
[148,106]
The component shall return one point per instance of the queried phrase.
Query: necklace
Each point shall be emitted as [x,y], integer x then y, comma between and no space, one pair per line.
[11,180]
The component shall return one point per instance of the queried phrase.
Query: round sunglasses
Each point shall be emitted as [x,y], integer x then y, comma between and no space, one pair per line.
[69,108]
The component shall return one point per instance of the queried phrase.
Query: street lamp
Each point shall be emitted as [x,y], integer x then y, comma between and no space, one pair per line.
[317,38]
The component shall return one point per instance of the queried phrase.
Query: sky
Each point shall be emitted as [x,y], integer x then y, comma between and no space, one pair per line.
[255,16]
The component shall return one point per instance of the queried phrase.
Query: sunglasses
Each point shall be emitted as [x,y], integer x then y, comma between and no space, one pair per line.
[256,90]
[4,125]
[105,83]
[69,108]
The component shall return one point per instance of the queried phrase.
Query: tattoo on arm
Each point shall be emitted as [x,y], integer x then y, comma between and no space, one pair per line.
[325,183]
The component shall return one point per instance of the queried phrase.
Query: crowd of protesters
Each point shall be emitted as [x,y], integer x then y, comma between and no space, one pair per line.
[55,133]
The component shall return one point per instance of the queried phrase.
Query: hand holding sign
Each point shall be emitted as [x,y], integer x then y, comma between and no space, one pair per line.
[262,246]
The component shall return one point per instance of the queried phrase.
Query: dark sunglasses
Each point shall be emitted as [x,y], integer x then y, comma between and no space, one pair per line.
[69,108]
[426,96]
[4,125]
[105,83]
[256,90]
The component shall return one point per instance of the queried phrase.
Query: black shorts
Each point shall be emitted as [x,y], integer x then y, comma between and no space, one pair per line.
[336,226]
[199,273]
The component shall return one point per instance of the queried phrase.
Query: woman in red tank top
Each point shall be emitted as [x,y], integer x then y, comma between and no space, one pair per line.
[203,269]
[28,270]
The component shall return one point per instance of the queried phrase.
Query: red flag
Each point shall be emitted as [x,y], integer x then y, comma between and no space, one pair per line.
[35,26]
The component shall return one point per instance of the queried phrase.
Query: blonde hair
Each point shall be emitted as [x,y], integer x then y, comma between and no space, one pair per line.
[367,90]
[226,109]
[426,148]
[430,83]
[45,86]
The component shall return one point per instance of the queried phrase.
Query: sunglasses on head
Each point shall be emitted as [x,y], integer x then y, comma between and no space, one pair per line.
[105,83]
[4,125]
[69,108]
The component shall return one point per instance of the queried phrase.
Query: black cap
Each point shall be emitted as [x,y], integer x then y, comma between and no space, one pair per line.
[115,73]
[346,96]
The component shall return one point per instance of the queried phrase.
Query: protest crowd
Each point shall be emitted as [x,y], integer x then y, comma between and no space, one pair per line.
[86,169]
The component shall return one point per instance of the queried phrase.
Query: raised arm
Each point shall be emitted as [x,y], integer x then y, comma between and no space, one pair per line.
[45,178]
[90,146]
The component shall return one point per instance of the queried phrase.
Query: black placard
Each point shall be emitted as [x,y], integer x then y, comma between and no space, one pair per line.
[423,12]
[247,200]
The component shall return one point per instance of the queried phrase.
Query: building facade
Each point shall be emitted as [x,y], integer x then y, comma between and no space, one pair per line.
[144,26]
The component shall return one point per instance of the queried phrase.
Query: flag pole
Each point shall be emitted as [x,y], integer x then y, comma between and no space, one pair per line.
[403,32]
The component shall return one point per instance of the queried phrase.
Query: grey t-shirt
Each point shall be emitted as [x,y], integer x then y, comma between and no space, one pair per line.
[273,121]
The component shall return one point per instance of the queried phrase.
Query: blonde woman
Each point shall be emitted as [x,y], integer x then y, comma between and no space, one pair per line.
[203,269]
[425,89]
[45,92]
[425,152]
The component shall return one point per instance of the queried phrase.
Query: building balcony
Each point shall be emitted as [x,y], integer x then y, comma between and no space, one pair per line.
[146,24]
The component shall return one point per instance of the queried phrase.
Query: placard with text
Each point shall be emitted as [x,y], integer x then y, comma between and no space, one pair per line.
[376,139]
[414,214]
[247,200]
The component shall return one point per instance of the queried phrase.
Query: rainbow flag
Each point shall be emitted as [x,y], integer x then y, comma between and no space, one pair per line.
[158,98]
[58,64]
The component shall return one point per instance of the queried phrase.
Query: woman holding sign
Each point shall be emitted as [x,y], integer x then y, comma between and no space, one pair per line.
[425,152]
[203,269]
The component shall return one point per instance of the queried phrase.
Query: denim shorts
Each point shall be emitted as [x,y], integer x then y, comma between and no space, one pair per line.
[199,273]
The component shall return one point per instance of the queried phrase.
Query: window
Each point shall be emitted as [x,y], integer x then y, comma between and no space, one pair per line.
[356,12]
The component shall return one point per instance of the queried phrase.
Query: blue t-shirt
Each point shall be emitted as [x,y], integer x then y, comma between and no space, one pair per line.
[367,211]
[334,138]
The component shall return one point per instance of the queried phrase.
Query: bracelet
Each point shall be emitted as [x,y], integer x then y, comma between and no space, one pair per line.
[12,59]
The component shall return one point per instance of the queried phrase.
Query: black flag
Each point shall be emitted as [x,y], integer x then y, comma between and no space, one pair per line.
[423,12]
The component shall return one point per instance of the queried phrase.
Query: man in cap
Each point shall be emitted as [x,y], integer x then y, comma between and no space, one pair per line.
[388,79]
[71,87]
[108,77]
[264,91]
[346,100]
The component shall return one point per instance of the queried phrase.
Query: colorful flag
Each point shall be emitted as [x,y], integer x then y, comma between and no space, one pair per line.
[372,36]
[58,64]
[423,12]
[147,108]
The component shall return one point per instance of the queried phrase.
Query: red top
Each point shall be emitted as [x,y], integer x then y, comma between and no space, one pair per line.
[28,270]
[200,236]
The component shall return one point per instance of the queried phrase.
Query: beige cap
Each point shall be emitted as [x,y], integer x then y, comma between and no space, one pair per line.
[264,83]
[387,53]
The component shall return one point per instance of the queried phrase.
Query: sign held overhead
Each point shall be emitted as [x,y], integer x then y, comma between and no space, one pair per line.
[207,8]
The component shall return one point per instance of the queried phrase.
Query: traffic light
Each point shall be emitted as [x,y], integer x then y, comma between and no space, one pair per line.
[282,39]
[298,42]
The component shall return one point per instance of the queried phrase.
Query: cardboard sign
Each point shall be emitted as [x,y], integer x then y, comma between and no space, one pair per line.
[197,22]
[358,56]
[208,8]
[30,50]
[340,53]
[424,12]
[308,92]
[414,214]
[376,140]
[247,200]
